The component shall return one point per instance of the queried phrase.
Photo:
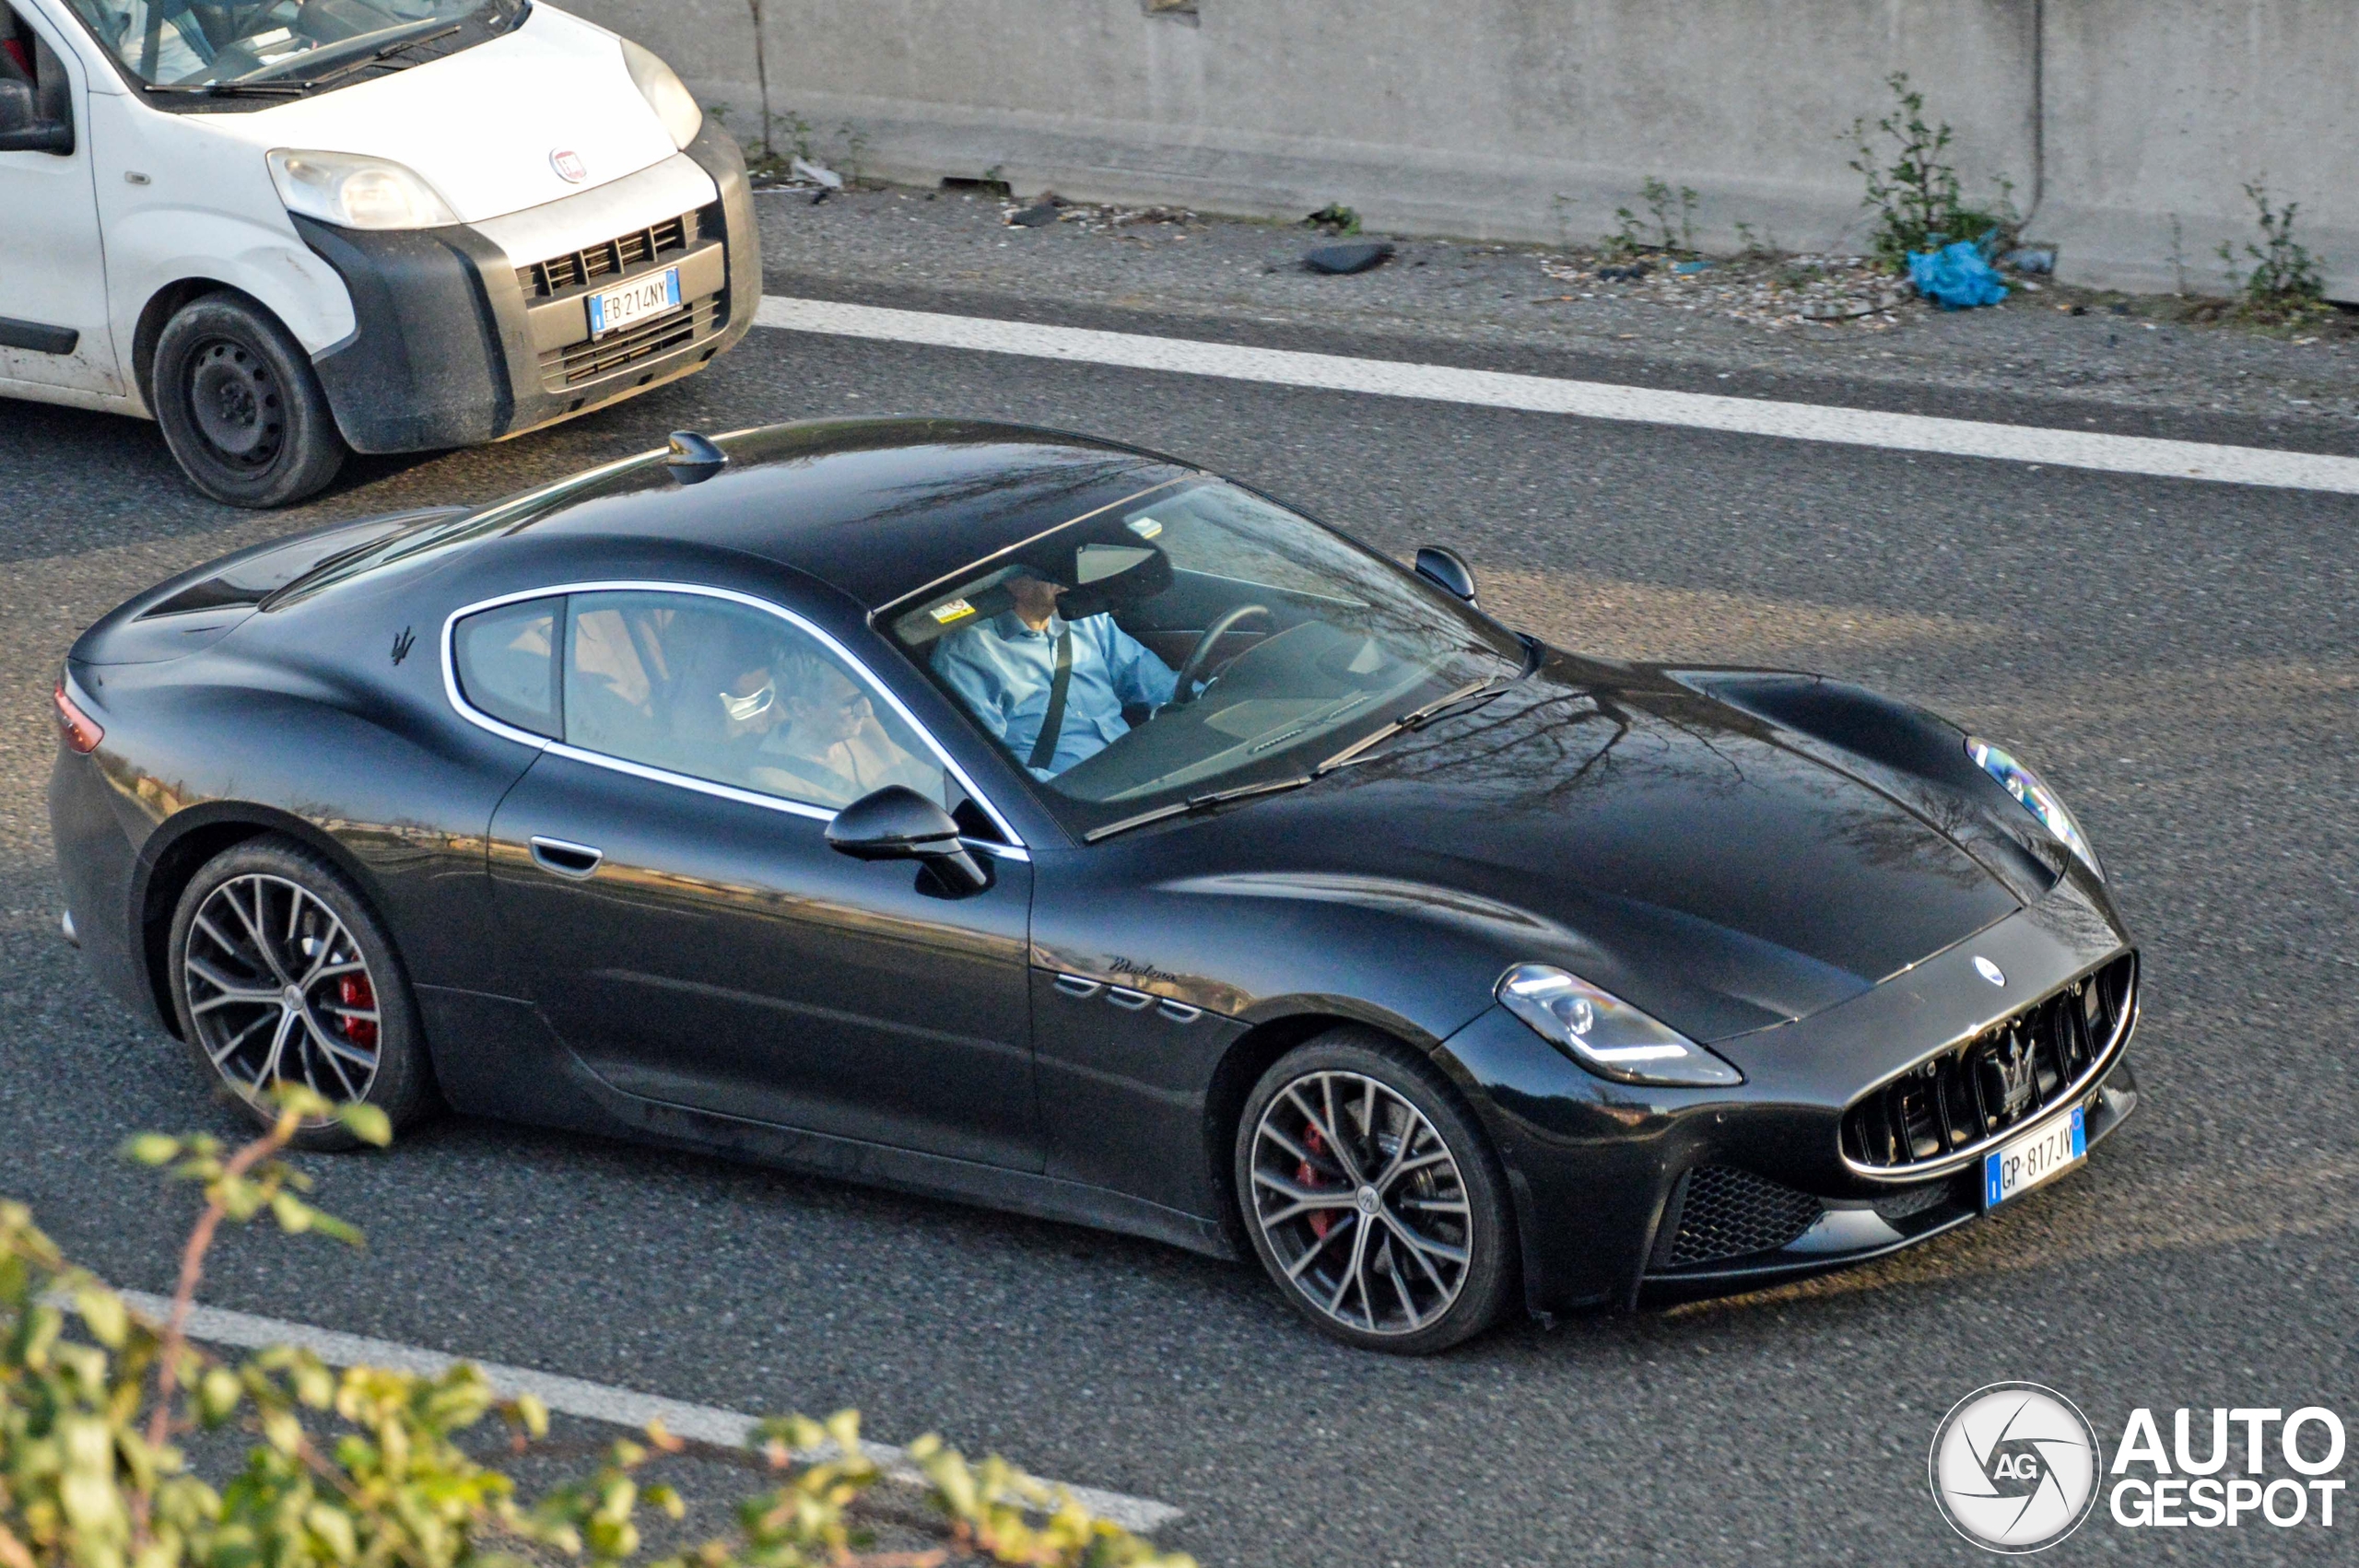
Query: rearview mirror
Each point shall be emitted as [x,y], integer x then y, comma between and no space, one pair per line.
[1444,569]
[897,823]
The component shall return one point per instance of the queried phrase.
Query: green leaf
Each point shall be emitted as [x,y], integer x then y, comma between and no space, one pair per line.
[152,1148]
[103,1313]
[366,1122]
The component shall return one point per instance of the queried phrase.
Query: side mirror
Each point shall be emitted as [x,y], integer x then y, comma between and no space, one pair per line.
[897,823]
[23,127]
[1446,568]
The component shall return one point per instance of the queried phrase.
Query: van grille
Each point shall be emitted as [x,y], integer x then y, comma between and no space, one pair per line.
[2008,1075]
[570,366]
[609,258]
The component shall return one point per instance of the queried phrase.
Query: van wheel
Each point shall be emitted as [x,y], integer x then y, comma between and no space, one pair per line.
[239,406]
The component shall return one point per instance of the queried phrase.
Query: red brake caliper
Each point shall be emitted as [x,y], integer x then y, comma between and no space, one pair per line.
[1321,1220]
[353,991]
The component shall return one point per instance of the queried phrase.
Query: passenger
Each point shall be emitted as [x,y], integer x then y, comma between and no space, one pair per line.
[1006,670]
[830,748]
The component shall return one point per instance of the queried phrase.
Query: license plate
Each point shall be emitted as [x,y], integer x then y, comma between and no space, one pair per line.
[638,301]
[2020,1164]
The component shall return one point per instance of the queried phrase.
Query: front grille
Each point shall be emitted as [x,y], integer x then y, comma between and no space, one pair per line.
[579,362]
[1726,1212]
[609,258]
[2003,1077]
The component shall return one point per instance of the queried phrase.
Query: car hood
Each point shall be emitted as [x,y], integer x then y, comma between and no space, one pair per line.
[1669,848]
[483,126]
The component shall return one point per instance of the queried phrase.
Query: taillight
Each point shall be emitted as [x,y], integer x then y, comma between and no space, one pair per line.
[81,731]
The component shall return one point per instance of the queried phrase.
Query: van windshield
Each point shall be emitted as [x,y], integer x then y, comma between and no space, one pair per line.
[280,47]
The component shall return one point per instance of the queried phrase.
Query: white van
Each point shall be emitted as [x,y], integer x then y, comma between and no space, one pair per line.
[286,229]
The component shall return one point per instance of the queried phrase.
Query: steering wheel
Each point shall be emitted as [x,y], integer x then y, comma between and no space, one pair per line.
[1201,655]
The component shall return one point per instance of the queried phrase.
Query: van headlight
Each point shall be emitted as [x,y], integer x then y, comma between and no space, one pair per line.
[2034,795]
[355,190]
[665,94]
[1606,1034]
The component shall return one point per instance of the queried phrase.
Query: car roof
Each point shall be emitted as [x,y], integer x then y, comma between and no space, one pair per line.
[877,509]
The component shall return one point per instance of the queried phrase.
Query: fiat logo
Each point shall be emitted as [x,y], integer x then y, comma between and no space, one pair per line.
[1990,971]
[568,165]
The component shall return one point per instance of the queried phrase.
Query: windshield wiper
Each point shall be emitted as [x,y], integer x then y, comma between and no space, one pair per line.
[228,89]
[1194,803]
[1465,699]
[382,56]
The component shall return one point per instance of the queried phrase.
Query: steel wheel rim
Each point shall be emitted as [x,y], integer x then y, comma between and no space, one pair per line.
[1362,1202]
[234,400]
[278,991]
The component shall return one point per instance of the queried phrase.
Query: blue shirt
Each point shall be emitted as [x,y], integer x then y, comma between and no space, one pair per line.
[1002,669]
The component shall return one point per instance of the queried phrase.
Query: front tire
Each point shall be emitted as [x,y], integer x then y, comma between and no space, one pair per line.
[282,974]
[239,405]
[1372,1196]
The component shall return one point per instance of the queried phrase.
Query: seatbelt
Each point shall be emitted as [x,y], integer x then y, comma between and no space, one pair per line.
[1044,750]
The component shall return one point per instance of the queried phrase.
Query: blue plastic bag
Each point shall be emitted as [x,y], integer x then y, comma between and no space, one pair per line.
[1956,277]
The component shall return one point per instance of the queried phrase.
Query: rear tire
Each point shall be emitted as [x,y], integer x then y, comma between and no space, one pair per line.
[239,405]
[281,972]
[1373,1198]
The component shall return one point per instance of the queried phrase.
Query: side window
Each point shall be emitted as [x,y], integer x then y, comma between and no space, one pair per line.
[507,664]
[736,695]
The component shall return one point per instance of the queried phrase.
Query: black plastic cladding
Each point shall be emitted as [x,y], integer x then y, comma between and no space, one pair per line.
[2004,1077]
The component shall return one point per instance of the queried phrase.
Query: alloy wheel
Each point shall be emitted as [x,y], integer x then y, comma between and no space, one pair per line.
[1362,1202]
[278,990]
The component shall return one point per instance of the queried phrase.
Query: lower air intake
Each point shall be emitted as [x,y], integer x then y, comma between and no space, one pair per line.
[1726,1212]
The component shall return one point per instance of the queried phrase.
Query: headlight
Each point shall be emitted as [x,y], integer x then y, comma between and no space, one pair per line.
[353,190]
[2035,797]
[1606,1034]
[665,94]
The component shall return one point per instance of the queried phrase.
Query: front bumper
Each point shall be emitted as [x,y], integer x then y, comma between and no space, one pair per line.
[475,333]
[1600,1172]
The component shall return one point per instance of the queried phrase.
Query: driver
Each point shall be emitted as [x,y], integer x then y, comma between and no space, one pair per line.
[1049,689]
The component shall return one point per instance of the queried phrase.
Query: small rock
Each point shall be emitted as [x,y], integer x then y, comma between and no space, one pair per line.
[1345,259]
[1033,216]
[1630,273]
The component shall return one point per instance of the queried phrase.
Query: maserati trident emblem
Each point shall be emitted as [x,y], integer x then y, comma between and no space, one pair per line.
[2017,1078]
[568,165]
[1990,971]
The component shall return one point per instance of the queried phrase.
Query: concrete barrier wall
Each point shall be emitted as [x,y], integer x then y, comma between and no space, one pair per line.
[1536,119]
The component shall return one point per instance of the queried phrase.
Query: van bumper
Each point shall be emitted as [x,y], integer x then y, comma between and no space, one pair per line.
[477,332]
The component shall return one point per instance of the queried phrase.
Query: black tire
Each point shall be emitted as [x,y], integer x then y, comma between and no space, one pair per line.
[260,915]
[239,405]
[1379,1278]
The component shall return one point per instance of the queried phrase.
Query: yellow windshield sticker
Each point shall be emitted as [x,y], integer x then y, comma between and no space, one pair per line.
[956,610]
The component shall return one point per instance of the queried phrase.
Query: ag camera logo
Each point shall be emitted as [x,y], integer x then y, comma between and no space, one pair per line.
[2015,1467]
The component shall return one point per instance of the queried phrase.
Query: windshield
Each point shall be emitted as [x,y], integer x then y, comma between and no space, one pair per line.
[284,45]
[1194,641]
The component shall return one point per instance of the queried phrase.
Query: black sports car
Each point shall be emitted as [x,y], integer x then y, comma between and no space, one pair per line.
[1036,821]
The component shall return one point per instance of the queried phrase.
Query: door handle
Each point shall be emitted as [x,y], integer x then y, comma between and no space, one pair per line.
[576,860]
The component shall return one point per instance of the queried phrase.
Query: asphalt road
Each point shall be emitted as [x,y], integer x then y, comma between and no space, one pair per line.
[2179,659]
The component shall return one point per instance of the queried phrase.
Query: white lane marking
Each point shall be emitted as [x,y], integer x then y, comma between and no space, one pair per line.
[1588,400]
[595,1401]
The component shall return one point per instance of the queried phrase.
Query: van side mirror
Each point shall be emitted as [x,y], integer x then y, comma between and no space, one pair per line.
[1446,568]
[897,823]
[36,121]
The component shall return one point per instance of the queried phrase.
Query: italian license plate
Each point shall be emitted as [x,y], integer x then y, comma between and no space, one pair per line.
[641,300]
[2020,1164]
